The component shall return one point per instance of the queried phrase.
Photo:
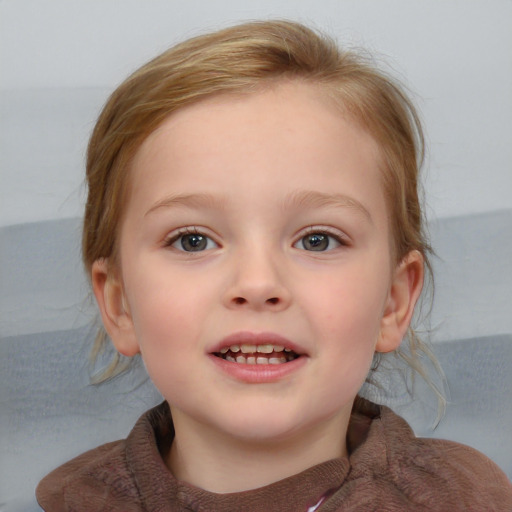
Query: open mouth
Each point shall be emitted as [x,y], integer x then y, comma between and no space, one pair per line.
[257,354]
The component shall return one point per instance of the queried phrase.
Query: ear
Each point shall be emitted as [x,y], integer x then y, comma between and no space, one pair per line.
[109,293]
[403,294]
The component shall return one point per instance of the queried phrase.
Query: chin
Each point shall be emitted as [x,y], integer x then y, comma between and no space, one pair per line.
[270,426]
[255,426]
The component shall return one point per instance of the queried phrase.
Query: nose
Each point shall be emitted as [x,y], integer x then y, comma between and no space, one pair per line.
[258,282]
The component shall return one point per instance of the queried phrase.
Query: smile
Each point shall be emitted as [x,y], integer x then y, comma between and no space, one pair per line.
[257,354]
[258,357]
[256,349]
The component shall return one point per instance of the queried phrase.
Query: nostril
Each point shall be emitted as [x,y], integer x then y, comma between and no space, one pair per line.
[239,300]
[273,300]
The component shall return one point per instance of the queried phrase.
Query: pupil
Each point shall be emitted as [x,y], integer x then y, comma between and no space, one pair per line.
[316,242]
[193,242]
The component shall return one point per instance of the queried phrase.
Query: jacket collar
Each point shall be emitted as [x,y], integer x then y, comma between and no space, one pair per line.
[160,491]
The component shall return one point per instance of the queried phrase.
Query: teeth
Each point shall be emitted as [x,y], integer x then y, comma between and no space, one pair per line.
[277,360]
[268,349]
[265,349]
[251,349]
[248,354]
[240,359]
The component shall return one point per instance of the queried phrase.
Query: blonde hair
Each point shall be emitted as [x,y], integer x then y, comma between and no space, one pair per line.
[242,59]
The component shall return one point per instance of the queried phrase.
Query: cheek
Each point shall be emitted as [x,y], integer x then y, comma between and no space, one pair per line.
[168,307]
[350,337]
[153,305]
[348,316]
[167,331]
[350,302]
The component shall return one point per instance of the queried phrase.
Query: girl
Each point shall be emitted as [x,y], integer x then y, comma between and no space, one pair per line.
[253,230]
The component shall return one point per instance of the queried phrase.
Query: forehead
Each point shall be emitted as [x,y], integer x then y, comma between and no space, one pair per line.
[298,112]
[291,133]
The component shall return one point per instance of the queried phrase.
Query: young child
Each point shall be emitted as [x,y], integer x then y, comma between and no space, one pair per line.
[253,230]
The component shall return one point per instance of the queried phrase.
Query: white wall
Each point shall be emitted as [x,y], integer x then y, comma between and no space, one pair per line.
[60,58]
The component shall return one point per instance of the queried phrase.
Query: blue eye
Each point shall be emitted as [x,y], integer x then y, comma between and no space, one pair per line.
[192,242]
[318,242]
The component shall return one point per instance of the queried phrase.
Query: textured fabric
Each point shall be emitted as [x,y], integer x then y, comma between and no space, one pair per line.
[388,469]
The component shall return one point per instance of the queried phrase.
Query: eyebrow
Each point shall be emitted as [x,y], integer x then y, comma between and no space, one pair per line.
[314,199]
[298,199]
[188,200]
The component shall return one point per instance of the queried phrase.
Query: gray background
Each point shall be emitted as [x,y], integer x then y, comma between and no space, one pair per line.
[61,58]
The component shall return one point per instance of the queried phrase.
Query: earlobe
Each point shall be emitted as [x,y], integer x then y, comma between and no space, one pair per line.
[403,294]
[113,307]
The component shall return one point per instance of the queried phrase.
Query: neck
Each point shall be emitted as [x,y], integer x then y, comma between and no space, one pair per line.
[222,463]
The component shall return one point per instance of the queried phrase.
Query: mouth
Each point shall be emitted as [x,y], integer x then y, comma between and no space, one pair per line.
[257,354]
[256,349]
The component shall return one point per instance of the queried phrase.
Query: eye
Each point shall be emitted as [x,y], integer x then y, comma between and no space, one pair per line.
[191,242]
[318,241]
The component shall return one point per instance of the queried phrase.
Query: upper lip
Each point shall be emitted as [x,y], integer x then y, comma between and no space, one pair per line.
[256,338]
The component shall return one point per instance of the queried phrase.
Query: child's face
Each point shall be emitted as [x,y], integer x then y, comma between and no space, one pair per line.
[256,220]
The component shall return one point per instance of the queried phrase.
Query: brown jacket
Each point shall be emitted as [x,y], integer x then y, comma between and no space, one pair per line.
[388,470]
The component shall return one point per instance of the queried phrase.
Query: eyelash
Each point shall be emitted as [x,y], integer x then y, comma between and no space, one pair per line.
[181,233]
[339,238]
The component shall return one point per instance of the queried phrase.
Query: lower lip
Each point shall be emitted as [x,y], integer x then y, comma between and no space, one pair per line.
[258,373]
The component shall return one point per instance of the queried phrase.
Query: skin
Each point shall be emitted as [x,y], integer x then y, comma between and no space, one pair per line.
[257,175]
